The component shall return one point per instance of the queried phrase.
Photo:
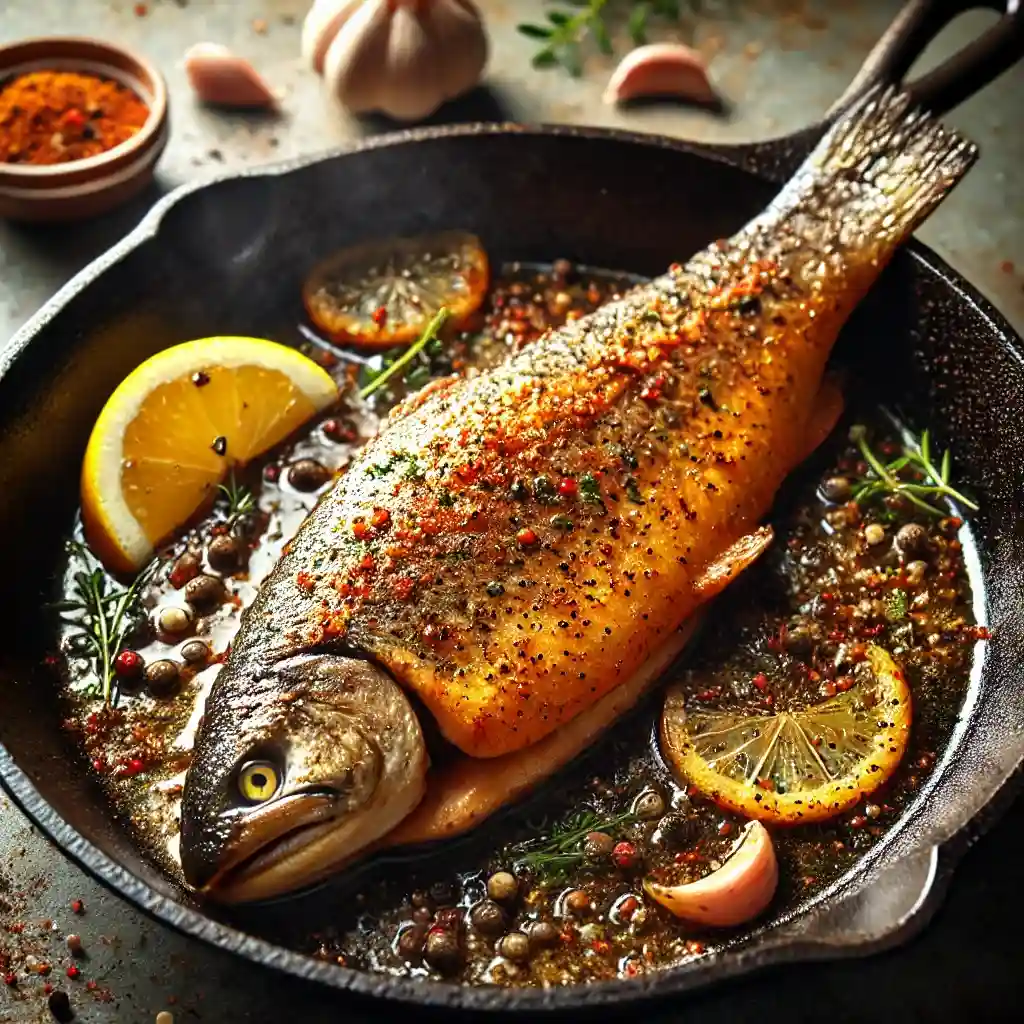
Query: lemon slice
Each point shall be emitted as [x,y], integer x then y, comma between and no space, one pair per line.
[176,425]
[384,293]
[801,764]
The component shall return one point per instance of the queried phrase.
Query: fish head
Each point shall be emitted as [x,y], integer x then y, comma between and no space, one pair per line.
[295,774]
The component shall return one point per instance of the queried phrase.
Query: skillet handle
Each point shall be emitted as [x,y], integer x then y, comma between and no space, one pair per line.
[961,75]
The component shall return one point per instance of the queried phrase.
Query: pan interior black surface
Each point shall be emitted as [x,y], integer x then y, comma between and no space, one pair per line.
[230,258]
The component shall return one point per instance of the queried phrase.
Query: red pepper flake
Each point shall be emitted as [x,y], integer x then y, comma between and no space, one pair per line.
[366,562]
[760,681]
[568,488]
[693,947]
[403,588]
[10,978]
[600,946]
[380,518]
[527,538]
[765,784]
[92,986]
[304,581]
[628,907]
[72,972]
[982,633]
[725,827]
[361,530]
[380,316]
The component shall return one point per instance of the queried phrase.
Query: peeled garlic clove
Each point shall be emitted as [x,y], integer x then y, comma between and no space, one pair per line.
[220,78]
[661,69]
[736,892]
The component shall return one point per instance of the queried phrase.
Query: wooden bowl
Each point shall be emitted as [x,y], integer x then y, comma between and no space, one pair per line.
[84,188]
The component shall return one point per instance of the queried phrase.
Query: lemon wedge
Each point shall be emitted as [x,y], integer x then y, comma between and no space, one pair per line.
[174,428]
[802,763]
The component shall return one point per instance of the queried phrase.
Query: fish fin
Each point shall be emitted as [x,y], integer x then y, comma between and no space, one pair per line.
[875,176]
[732,561]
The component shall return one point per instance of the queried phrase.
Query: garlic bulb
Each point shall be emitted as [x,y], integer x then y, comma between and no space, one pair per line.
[403,58]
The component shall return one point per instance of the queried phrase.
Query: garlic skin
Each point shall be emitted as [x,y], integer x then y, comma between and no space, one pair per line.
[732,894]
[661,69]
[403,58]
[220,78]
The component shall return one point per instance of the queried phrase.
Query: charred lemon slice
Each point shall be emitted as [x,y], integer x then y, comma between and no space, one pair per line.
[176,425]
[382,294]
[802,764]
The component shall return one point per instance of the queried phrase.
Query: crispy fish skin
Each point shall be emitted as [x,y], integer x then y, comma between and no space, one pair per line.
[455,554]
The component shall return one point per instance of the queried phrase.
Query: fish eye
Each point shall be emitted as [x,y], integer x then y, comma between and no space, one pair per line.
[258,781]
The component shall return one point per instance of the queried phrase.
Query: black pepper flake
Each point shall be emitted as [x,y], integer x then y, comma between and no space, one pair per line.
[707,398]
[220,445]
[200,379]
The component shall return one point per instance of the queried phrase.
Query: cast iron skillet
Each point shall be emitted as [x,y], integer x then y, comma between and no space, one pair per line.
[228,258]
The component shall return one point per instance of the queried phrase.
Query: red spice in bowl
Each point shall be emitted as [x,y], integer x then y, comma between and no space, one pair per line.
[82,125]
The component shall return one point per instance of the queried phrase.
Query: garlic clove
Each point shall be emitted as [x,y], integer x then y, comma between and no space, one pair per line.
[323,22]
[661,69]
[220,78]
[734,893]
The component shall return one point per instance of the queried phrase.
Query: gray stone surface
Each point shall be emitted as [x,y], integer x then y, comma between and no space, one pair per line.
[780,63]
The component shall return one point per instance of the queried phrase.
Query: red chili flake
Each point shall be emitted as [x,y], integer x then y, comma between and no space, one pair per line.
[844,683]
[725,828]
[568,488]
[380,316]
[632,970]
[304,581]
[624,855]
[982,633]
[652,392]
[77,906]
[366,562]
[765,784]
[760,681]
[10,978]
[526,537]
[128,664]
[380,518]
[694,948]
[72,972]
[92,985]
[829,689]
[361,530]
[600,946]
[628,907]
[403,588]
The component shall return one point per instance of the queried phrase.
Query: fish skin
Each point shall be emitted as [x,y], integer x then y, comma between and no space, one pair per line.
[687,401]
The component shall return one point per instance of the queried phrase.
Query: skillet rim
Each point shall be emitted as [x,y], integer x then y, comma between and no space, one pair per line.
[758,158]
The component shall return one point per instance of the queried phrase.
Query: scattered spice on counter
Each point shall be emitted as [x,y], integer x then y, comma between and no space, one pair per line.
[55,117]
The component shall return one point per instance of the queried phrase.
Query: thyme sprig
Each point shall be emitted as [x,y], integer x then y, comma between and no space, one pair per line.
[884,477]
[566,31]
[104,615]
[428,337]
[551,856]
[240,500]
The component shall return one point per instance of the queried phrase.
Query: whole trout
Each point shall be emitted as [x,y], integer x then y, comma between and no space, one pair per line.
[517,548]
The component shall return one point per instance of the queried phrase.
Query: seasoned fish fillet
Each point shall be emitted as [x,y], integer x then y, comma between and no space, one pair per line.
[516,545]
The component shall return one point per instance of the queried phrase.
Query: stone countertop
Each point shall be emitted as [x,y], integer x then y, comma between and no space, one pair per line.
[780,64]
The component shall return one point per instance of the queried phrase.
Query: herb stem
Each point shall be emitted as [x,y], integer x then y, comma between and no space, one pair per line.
[429,334]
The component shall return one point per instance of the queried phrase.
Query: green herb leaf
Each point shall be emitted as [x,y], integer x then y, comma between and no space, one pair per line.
[896,606]
[534,31]
[638,24]
[603,40]
[544,59]
[429,334]
[558,18]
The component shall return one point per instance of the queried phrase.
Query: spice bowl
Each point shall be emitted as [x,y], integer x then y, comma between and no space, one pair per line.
[78,189]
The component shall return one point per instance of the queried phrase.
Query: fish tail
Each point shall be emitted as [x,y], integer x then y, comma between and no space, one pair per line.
[874,177]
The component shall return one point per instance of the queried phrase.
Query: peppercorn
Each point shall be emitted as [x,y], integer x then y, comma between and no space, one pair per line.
[836,489]
[196,652]
[543,934]
[185,568]
[450,918]
[339,431]
[162,677]
[410,943]
[577,902]
[204,592]
[174,620]
[495,589]
[223,553]
[74,944]
[911,538]
[60,1006]
[649,805]
[798,640]
[568,488]
[515,947]
[519,491]
[488,918]
[625,856]
[442,951]
[308,475]
[543,490]
[560,521]
[597,845]
[502,886]
[526,537]
[129,665]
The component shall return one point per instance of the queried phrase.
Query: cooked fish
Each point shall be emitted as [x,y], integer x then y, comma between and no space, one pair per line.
[517,546]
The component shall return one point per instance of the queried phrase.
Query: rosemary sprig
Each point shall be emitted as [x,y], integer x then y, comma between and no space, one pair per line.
[563,36]
[104,614]
[552,856]
[884,478]
[429,335]
[240,499]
